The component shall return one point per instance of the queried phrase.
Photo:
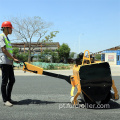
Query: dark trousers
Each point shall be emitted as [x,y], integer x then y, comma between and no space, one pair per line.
[8,80]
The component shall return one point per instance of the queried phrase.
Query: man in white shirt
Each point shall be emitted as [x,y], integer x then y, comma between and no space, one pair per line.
[6,62]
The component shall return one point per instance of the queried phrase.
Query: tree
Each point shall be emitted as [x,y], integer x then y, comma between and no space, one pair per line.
[53,55]
[64,51]
[72,55]
[15,50]
[21,57]
[29,29]
[98,56]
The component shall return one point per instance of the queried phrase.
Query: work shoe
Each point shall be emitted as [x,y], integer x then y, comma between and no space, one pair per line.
[7,103]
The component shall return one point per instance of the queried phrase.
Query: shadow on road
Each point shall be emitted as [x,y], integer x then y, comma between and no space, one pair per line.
[39,102]
[30,101]
[110,105]
[114,105]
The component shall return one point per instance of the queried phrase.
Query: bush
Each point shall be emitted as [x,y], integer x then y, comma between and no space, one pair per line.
[98,56]
[51,67]
[22,57]
[56,67]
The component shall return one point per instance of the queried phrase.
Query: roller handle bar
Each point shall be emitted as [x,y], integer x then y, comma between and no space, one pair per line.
[67,78]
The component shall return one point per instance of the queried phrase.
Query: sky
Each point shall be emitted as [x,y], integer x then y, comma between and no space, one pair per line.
[92,25]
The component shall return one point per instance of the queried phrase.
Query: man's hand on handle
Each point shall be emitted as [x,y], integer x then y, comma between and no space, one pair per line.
[16,60]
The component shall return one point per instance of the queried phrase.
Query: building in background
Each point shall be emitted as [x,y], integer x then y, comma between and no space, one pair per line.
[35,47]
[111,55]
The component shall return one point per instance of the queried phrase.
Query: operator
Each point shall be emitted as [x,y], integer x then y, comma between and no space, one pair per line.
[6,63]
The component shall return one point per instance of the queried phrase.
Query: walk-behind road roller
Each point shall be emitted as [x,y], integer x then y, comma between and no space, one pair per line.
[93,81]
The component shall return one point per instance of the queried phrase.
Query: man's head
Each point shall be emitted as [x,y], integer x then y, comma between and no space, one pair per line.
[6,27]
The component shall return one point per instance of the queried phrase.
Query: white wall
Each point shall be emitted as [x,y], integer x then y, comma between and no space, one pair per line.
[111,58]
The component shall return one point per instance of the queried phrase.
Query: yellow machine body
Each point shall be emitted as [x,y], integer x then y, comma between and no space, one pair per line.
[75,81]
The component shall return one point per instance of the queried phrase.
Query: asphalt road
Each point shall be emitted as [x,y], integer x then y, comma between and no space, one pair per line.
[47,98]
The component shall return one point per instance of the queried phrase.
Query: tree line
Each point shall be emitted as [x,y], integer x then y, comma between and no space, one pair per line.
[59,55]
